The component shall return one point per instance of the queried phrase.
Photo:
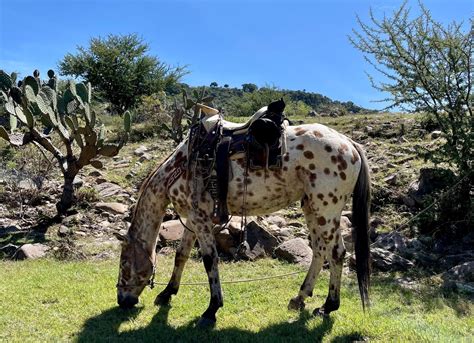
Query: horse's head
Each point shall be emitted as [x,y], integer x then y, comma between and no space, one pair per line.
[136,270]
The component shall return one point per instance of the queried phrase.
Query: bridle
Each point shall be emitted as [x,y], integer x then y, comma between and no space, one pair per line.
[151,280]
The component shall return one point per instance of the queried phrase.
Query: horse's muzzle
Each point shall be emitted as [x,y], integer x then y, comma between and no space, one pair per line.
[126,302]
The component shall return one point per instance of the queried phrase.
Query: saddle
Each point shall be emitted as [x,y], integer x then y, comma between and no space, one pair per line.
[214,142]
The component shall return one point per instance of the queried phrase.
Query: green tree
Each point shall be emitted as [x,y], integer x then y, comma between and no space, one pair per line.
[118,67]
[214,84]
[249,103]
[427,67]
[249,87]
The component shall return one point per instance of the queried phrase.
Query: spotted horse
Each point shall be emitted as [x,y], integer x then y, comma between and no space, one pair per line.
[319,166]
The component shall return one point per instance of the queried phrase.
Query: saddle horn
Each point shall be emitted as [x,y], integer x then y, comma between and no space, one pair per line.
[276,106]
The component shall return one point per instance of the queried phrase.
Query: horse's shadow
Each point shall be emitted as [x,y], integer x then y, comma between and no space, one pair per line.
[105,327]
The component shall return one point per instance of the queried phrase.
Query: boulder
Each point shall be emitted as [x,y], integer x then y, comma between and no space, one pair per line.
[385,261]
[145,157]
[391,180]
[295,250]
[460,277]
[10,229]
[31,251]
[392,241]
[171,232]
[258,244]
[112,207]
[436,134]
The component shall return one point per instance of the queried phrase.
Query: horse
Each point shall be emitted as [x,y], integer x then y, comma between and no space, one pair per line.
[320,167]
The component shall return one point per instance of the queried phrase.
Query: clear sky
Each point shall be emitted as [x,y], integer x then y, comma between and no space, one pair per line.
[288,44]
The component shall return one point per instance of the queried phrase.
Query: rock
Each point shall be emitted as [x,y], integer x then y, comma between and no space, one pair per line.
[392,241]
[385,261]
[171,231]
[460,277]
[27,184]
[259,242]
[10,229]
[77,182]
[391,180]
[112,207]
[347,214]
[63,231]
[140,150]
[145,157]
[9,249]
[100,180]
[276,220]
[295,250]
[345,223]
[295,224]
[436,134]
[225,242]
[462,272]
[95,173]
[31,251]
[108,189]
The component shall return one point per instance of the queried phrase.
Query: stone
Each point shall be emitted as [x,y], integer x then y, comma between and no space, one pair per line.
[347,214]
[171,231]
[140,150]
[108,189]
[112,207]
[9,249]
[460,278]
[27,184]
[10,229]
[31,251]
[345,223]
[385,261]
[77,182]
[392,241]
[225,242]
[63,231]
[391,180]
[95,173]
[145,157]
[259,242]
[276,220]
[295,250]
[436,134]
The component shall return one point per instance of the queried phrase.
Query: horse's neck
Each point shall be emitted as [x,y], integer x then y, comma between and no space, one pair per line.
[150,207]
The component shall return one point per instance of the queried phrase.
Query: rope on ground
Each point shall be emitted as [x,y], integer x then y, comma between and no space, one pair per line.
[205,283]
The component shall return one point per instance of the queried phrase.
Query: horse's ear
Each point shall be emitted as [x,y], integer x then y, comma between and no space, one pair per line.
[276,106]
[120,237]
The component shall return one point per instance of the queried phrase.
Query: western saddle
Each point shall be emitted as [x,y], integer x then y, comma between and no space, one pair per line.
[215,141]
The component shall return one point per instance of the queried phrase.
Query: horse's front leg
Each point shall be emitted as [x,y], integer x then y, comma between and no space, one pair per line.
[207,244]
[182,255]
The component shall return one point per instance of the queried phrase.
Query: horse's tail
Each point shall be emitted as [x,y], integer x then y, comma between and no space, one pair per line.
[360,224]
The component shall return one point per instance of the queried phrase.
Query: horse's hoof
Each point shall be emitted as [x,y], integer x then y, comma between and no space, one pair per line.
[206,323]
[296,304]
[319,312]
[162,301]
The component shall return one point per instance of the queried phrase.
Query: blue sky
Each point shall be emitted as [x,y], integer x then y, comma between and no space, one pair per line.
[288,44]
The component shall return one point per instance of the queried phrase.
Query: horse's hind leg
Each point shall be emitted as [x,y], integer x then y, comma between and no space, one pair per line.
[182,255]
[335,255]
[317,244]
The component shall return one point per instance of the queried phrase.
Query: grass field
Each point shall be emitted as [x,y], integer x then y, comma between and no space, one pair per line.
[51,301]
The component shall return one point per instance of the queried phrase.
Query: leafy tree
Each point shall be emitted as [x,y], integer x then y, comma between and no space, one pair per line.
[226,86]
[249,87]
[252,102]
[119,68]
[214,84]
[427,67]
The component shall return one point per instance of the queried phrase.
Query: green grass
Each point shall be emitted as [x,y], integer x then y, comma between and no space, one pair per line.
[55,301]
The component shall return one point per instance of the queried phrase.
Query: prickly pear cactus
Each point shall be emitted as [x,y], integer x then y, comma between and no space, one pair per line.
[40,110]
